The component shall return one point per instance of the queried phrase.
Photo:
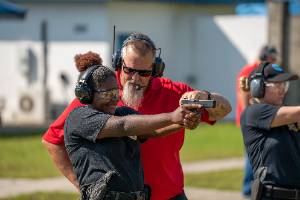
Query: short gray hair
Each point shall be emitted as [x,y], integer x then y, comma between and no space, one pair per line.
[141,46]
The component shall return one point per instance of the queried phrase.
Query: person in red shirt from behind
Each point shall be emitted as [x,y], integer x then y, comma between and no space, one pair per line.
[142,89]
[267,53]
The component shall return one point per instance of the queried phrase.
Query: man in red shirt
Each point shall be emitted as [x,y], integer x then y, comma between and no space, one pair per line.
[137,71]
[268,53]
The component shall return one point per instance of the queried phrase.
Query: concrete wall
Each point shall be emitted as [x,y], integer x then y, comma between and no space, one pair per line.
[20,80]
[294,60]
[199,47]
[224,44]
[72,29]
[284,34]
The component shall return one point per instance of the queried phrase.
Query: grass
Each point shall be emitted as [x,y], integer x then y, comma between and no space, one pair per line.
[222,140]
[44,196]
[23,156]
[221,180]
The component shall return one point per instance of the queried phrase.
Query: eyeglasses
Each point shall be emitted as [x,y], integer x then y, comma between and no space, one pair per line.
[281,85]
[131,71]
[108,93]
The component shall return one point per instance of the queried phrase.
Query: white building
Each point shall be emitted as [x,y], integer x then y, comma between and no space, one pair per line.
[204,45]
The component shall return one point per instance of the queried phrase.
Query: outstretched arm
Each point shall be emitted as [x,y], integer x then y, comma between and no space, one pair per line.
[222,108]
[139,125]
[286,115]
[191,121]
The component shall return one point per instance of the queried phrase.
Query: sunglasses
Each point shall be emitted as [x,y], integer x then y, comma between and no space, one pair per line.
[282,85]
[131,71]
[108,93]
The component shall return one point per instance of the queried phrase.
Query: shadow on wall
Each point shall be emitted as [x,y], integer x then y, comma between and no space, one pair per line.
[28,65]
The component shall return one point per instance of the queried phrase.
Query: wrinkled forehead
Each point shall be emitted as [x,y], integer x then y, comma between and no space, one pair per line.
[137,61]
[140,47]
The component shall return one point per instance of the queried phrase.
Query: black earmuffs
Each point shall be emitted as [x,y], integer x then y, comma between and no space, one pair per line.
[83,90]
[158,65]
[257,84]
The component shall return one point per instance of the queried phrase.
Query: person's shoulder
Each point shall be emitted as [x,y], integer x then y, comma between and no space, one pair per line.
[75,103]
[261,106]
[256,109]
[161,81]
[255,106]
[84,116]
[168,84]
[75,111]
[250,113]
[165,80]
[82,111]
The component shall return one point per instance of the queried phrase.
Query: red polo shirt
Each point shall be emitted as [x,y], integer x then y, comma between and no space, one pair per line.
[245,72]
[55,133]
[160,156]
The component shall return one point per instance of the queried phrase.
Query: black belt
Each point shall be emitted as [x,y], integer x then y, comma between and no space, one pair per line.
[270,191]
[112,195]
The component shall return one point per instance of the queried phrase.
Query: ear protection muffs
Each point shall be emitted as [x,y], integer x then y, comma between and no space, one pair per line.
[257,84]
[158,65]
[83,90]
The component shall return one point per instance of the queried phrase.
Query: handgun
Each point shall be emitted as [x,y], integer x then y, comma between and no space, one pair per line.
[203,103]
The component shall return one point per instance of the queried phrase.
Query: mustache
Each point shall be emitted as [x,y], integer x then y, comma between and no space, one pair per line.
[136,86]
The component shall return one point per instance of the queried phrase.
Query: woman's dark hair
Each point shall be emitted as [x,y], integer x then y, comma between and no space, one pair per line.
[84,61]
[99,76]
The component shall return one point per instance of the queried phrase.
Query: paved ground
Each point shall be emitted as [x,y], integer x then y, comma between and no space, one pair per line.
[213,165]
[210,194]
[12,187]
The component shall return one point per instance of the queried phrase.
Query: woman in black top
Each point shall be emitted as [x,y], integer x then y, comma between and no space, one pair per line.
[102,140]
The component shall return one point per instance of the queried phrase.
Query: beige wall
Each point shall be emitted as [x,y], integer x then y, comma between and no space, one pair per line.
[198,46]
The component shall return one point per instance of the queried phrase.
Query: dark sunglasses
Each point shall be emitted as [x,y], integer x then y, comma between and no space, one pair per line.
[108,92]
[131,71]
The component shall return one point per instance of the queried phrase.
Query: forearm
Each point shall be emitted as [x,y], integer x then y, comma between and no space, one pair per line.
[61,160]
[222,108]
[135,125]
[163,131]
[286,115]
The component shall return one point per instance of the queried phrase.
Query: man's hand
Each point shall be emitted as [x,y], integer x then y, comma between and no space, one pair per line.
[184,116]
[191,120]
[198,94]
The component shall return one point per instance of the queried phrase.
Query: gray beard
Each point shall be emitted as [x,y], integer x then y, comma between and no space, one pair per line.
[132,97]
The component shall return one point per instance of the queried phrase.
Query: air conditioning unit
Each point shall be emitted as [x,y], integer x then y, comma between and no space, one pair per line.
[30,108]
